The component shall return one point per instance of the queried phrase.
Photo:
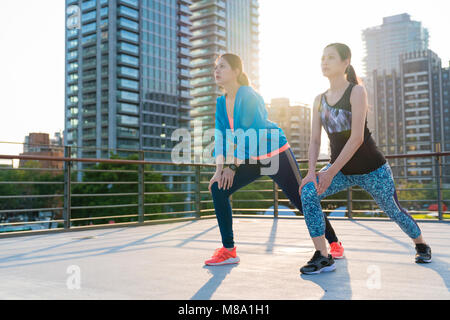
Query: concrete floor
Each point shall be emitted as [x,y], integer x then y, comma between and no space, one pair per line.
[166,262]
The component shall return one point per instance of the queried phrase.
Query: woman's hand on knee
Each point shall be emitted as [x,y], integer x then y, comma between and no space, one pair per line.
[325,179]
[216,178]
[310,177]
[226,179]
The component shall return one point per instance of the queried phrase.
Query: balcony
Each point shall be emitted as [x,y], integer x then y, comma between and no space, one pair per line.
[184,9]
[206,3]
[184,21]
[185,84]
[184,42]
[185,107]
[184,32]
[184,52]
[184,63]
[185,118]
[184,74]
[142,222]
[203,23]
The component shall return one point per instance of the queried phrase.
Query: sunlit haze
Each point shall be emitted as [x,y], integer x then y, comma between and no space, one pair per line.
[292,36]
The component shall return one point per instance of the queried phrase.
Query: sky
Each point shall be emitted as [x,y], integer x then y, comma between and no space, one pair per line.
[293,34]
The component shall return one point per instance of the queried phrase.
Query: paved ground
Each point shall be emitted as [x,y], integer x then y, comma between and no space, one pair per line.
[166,262]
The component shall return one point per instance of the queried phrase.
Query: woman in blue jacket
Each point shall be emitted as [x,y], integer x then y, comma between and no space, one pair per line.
[241,115]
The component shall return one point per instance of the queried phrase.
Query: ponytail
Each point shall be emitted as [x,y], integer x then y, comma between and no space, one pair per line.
[243,79]
[351,75]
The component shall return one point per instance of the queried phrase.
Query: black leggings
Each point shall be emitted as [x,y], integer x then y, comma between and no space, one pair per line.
[288,179]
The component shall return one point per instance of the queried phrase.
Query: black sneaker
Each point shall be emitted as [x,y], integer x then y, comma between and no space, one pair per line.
[318,264]
[423,253]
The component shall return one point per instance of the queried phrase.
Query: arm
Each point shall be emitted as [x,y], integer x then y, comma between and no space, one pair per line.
[219,149]
[314,146]
[358,100]
[220,160]
[316,132]
[249,114]
[219,141]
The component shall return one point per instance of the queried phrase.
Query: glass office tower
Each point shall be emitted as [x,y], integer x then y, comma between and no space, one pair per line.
[127,76]
[385,43]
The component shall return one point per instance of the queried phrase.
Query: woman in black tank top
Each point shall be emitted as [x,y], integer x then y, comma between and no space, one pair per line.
[336,120]
[355,159]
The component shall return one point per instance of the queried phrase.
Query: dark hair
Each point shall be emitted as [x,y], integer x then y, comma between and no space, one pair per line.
[235,62]
[345,53]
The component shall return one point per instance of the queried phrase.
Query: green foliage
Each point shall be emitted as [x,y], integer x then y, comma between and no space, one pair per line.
[114,175]
[82,193]
[16,188]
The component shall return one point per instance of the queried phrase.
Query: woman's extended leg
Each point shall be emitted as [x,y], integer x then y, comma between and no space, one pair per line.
[381,186]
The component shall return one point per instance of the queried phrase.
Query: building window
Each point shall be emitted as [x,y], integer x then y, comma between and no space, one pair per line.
[128,120]
[129,72]
[89,27]
[129,84]
[124,22]
[131,96]
[128,12]
[127,47]
[127,35]
[88,5]
[124,58]
[88,16]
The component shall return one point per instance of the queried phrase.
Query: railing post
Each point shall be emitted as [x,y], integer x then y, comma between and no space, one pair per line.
[197,191]
[67,187]
[141,189]
[350,202]
[439,181]
[275,200]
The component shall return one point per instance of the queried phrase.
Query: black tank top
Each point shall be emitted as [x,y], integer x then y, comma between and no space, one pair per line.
[337,122]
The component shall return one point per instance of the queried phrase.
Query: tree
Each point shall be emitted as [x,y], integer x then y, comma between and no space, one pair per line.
[30,173]
[84,194]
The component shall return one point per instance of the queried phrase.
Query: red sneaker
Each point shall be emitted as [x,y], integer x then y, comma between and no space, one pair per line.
[337,250]
[223,256]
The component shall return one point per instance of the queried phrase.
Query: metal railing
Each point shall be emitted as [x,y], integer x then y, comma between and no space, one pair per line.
[118,192]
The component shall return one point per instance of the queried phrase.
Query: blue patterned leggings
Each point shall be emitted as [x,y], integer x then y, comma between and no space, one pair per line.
[378,183]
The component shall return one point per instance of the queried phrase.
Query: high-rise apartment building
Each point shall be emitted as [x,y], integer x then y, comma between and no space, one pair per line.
[383,46]
[412,112]
[220,26]
[127,75]
[295,121]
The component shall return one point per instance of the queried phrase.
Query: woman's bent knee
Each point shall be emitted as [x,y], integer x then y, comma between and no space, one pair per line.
[216,192]
[308,191]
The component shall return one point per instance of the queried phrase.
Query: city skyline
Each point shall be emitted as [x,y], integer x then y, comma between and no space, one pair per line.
[32,86]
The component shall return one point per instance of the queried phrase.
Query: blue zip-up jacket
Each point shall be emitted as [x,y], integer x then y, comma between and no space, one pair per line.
[249,113]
